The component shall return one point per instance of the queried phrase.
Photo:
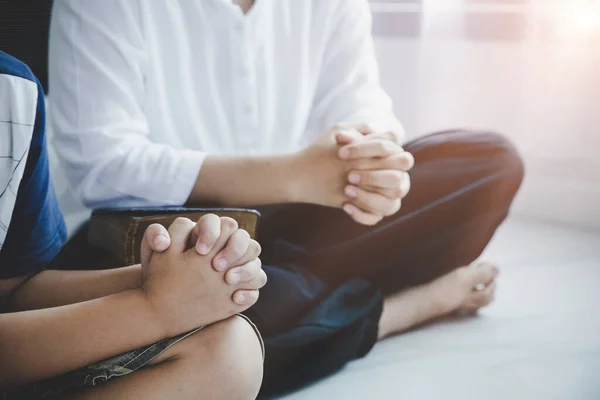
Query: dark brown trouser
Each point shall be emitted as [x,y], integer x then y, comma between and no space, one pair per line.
[462,186]
[318,311]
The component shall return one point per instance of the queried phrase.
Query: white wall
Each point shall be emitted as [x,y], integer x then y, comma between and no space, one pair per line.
[540,87]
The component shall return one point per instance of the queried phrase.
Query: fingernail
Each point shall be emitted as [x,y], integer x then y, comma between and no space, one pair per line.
[344,153]
[221,264]
[351,191]
[240,299]
[495,272]
[202,248]
[234,278]
[349,209]
[159,240]
[354,178]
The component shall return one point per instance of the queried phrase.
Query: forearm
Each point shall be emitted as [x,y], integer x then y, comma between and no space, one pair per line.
[246,181]
[42,343]
[53,288]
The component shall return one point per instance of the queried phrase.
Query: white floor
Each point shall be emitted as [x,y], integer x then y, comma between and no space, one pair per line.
[539,340]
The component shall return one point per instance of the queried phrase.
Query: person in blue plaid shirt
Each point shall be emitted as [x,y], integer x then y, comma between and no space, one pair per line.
[62,333]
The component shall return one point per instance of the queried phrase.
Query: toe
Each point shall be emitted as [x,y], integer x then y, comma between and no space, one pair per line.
[482,273]
[484,297]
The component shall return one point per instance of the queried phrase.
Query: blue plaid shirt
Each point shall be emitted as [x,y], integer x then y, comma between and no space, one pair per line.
[32,229]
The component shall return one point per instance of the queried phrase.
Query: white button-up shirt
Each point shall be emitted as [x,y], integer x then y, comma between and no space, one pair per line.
[142,90]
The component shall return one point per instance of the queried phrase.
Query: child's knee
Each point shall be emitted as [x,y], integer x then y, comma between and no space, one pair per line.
[240,356]
[236,356]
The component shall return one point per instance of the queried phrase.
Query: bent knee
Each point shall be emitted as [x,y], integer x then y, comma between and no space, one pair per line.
[490,151]
[240,356]
[505,157]
[237,355]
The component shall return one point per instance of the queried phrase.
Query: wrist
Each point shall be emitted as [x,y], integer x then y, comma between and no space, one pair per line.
[293,177]
[165,327]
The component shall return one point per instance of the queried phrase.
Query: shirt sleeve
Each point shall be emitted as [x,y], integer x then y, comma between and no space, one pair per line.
[349,90]
[32,229]
[97,65]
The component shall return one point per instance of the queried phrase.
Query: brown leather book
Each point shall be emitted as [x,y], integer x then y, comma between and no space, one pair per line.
[120,231]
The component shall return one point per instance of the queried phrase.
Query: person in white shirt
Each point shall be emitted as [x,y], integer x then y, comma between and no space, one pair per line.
[278,105]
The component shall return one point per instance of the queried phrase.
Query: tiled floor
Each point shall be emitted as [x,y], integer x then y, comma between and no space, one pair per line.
[539,340]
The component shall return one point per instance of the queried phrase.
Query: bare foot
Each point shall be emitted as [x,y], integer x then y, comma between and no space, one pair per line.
[465,290]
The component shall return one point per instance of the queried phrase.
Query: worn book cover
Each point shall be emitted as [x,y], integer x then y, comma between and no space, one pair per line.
[120,231]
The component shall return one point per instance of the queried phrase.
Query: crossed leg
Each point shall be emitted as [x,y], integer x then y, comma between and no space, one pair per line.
[221,361]
[463,184]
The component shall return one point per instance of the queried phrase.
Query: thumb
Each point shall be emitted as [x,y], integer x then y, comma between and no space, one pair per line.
[347,136]
[156,239]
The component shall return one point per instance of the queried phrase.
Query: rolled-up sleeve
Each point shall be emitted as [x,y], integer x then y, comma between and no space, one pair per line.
[97,67]
[349,89]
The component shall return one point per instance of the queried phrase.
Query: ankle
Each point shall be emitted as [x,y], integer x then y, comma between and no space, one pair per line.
[438,301]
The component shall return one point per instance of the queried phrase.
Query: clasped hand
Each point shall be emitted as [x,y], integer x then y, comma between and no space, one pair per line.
[358,169]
